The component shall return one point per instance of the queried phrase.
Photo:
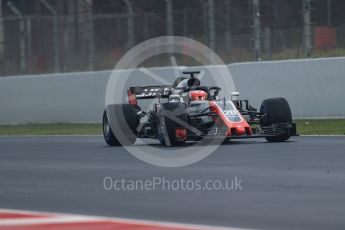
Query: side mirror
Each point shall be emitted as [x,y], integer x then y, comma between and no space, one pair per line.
[215,91]
[234,95]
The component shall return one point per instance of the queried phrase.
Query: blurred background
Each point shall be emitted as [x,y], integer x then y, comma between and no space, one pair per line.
[52,36]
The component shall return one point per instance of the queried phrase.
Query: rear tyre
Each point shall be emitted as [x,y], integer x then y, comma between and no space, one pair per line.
[276,111]
[167,126]
[108,134]
[123,118]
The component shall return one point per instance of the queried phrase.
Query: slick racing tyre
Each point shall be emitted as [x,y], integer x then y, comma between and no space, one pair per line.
[276,111]
[124,118]
[166,126]
[108,134]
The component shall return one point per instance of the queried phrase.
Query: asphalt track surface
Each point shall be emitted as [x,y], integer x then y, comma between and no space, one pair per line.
[294,185]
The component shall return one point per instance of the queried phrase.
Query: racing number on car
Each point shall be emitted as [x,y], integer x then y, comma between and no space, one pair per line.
[230,112]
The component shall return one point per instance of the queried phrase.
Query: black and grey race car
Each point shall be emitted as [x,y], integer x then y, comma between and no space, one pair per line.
[188,111]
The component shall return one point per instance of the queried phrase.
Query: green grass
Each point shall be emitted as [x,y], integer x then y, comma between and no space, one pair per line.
[321,127]
[304,127]
[51,129]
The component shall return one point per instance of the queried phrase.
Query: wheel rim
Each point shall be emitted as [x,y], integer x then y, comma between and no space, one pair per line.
[106,126]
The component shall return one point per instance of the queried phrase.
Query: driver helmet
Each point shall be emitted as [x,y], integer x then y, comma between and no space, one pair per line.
[197,95]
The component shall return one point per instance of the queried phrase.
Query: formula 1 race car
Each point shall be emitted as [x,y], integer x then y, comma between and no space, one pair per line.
[187,111]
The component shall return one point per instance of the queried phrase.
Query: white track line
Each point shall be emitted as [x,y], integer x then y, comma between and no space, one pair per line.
[54,218]
[46,220]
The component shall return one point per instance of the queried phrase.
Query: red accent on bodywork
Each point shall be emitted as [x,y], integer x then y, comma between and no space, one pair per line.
[233,128]
[132,98]
[181,133]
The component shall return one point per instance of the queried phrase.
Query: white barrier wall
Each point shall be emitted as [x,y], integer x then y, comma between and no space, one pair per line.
[72,97]
[314,88]
[52,98]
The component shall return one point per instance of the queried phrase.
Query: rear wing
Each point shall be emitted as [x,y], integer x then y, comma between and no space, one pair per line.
[148,92]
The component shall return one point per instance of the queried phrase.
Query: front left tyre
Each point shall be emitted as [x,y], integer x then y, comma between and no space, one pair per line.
[276,112]
[171,116]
